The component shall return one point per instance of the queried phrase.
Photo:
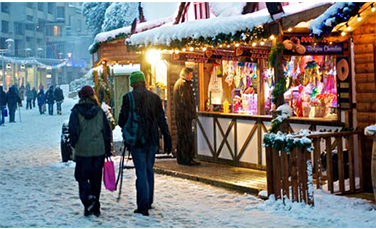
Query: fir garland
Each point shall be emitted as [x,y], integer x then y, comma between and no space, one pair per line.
[246,36]
[342,15]
[286,142]
[280,88]
[101,85]
[274,53]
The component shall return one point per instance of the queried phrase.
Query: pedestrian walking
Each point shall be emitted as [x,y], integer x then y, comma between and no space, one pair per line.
[148,106]
[3,103]
[50,100]
[21,92]
[90,136]
[34,93]
[41,101]
[12,100]
[59,98]
[185,113]
[29,97]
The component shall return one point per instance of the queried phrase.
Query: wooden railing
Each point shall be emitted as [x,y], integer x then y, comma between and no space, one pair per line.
[290,174]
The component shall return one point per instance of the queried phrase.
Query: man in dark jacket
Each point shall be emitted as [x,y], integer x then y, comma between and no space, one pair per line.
[34,93]
[185,112]
[59,98]
[12,100]
[50,100]
[41,100]
[90,136]
[149,109]
[3,103]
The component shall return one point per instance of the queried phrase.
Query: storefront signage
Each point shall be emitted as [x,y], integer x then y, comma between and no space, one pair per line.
[305,45]
[216,56]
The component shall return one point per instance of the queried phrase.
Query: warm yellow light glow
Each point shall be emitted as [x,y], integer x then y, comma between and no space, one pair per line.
[183,49]
[220,46]
[228,46]
[254,44]
[191,49]
[237,45]
[171,51]
[348,28]
[177,51]
[290,29]
[262,43]
[359,17]
[330,42]
[373,9]
[153,55]
[204,49]
[343,33]
[271,37]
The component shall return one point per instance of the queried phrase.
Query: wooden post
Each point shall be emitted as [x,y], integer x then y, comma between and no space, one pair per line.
[341,169]
[304,176]
[360,148]
[317,162]
[260,87]
[329,163]
[294,176]
[285,167]
[276,173]
[278,70]
[269,171]
[350,150]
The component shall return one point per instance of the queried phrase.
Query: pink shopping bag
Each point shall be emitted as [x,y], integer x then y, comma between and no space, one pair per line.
[109,178]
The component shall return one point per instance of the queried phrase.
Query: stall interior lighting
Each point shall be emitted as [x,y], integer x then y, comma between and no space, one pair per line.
[373,9]
[237,45]
[153,55]
[183,49]
[191,49]
[204,49]
[254,44]
[343,33]
[272,37]
[348,28]
[359,17]
[290,29]
[262,43]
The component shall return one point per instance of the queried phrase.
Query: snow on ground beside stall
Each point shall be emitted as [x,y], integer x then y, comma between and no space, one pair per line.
[38,190]
[212,26]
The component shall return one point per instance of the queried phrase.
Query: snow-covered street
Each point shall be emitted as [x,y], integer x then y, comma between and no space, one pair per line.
[38,190]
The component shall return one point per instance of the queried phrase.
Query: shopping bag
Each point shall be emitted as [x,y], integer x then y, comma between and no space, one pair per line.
[5,112]
[109,178]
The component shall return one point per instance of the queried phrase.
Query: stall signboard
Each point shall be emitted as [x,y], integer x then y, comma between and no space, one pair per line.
[305,45]
[215,56]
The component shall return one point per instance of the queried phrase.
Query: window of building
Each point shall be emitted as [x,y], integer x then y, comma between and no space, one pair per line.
[50,7]
[40,6]
[30,26]
[18,28]
[201,10]
[60,12]
[5,7]
[28,39]
[29,18]
[4,26]
[70,20]
[79,25]
[3,44]
[57,30]
[29,4]
[41,25]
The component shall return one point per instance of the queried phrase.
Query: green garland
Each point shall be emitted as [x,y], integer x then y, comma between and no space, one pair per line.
[274,53]
[101,85]
[286,142]
[280,88]
[246,36]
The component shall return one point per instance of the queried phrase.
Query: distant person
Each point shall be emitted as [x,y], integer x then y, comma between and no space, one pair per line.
[3,103]
[50,100]
[149,109]
[185,112]
[59,98]
[35,94]
[12,100]
[21,92]
[29,98]
[90,136]
[41,101]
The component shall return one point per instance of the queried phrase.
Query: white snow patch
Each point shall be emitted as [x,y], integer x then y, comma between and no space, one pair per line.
[157,10]
[370,130]
[226,9]
[326,17]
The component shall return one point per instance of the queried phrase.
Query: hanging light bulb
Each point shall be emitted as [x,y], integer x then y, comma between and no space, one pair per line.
[373,9]
[290,29]
[330,43]
[171,51]
[254,44]
[183,49]
[191,49]
[271,37]
[237,45]
[343,33]
[262,43]
[348,28]
[177,51]
[204,49]
[220,46]
[228,46]
[359,17]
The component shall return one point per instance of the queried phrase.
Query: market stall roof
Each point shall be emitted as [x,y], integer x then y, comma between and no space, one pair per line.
[212,28]
[337,16]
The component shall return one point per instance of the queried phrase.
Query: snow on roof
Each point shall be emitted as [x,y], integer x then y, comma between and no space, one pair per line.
[157,10]
[125,31]
[226,9]
[213,26]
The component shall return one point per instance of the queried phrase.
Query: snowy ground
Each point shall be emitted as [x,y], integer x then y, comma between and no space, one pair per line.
[37,190]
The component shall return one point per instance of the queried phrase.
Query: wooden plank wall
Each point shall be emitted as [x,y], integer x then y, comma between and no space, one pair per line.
[365,50]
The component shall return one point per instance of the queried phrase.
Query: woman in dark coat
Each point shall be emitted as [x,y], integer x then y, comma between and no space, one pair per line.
[50,100]
[90,136]
[41,100]
[12,100]
[34,92]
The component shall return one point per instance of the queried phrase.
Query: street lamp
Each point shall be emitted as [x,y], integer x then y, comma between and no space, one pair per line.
[69,54]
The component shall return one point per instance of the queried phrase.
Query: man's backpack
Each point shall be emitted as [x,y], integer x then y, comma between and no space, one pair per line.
[132,130]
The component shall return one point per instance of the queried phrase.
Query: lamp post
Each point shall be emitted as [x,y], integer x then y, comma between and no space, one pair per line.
[3,51]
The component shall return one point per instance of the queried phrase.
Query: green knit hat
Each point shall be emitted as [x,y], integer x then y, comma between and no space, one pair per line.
[137,76]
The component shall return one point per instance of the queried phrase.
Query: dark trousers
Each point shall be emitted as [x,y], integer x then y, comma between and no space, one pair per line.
[2,120]
[58,107]
[33,102]
[40,108]
[28,104]
[12,113]
[185,141]
[51,109]
[88,174]
[143,160]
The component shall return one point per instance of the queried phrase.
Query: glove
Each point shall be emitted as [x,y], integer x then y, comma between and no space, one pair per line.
[167,145]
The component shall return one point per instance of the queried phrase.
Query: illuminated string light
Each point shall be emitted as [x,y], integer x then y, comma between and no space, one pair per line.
[191,49]
[359,17]
[373,9]
[343,33]
[348,28]
[290,29]
[237,45]
[271,37]
[254,44]
[204,49]
[262,43]
[183,49]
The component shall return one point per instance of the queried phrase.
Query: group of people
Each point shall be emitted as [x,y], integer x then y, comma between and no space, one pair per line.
[90,135]
[14,97]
